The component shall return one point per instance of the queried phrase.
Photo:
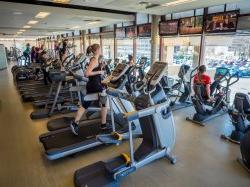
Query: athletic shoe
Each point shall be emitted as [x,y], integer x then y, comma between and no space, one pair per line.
[74,128]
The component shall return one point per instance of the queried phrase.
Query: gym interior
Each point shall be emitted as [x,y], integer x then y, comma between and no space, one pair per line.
[172,104]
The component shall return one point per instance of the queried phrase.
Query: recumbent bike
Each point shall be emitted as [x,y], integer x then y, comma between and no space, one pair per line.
[205,110]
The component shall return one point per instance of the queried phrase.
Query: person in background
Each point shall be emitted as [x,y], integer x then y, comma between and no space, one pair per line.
[43,60]
[94,72]
[131,60]
[33,54]
[202,78]
[26,54]
[63,50]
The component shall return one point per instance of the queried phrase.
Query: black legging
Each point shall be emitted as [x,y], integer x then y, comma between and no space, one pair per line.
[46,77]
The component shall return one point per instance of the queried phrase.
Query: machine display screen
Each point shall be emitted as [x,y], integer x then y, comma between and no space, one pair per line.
[156,70]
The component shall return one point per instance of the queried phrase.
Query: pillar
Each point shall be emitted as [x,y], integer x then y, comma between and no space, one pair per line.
[154,36]
[83,42]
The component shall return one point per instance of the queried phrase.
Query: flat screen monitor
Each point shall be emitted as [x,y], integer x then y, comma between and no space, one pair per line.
[191,25]
[120,33]
[168,27]
[144,30]
[130,32]
[222,22]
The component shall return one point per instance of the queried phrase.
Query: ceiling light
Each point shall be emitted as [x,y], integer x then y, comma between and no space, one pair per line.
[19,32]
[42,15]
[178,2]
[93,22]
[61,1]
[75,27]
[17,13]
[32,22]
[22,30]
[26,26]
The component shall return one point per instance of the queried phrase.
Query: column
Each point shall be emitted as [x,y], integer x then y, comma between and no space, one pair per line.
[154,36]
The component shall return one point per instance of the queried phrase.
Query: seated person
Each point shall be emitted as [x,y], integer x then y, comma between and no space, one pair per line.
[202,78]
[94,85]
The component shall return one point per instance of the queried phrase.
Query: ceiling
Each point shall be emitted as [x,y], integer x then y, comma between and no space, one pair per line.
[140,5]
[79,15]
[14,16]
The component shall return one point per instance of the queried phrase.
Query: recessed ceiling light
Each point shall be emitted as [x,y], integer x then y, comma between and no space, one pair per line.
[61,1]
[22,30]
[32,22]
[93,22]
[177,2]
[42,15]
[90,1]
[17,13]
[27,26]
[75,27]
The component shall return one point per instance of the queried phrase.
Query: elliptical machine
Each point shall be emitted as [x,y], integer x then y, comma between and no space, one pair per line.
[206,111]
[158,134]
[180,93]
[240,116]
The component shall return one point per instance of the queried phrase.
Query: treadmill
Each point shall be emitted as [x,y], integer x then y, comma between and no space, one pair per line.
[63,142]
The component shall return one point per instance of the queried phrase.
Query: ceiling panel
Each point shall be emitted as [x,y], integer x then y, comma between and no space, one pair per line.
[16,15]
[139,6]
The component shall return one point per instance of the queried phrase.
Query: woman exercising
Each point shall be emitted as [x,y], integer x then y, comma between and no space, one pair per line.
[94,85]
[202,78]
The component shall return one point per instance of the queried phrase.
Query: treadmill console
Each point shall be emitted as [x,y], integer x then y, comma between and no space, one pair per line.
[119,71]
[155,73]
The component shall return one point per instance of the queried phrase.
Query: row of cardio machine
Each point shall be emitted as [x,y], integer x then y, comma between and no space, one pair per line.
[144,112]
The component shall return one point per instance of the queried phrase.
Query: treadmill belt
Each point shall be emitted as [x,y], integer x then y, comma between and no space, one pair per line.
[67,138]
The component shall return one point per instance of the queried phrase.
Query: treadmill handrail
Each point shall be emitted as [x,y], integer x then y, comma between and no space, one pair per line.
[131,116]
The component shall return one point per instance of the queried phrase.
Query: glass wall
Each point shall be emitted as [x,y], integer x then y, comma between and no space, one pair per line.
[77,44]
[233,52]
[124,48]
[143,48]
[108,46]
[181,50]
[95,39]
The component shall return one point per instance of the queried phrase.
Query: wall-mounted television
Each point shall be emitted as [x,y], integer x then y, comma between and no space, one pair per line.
[167,28]
[120,33]
[222,22]
[130,32]
[144,30]
[191,25]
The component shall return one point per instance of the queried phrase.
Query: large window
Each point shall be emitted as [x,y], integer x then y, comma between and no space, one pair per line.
[108,47]
[143,48]
[233,52]
[181,50]
[95,39]
[77,45]
[124,48]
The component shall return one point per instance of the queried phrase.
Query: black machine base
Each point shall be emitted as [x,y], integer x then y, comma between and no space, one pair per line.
[243,164]
[201,119]
[99,176]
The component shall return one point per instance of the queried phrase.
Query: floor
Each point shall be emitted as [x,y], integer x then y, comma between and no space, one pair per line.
[204,160]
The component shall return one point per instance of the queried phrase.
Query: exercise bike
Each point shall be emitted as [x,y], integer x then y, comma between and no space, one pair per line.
[240,117]
[205,110]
